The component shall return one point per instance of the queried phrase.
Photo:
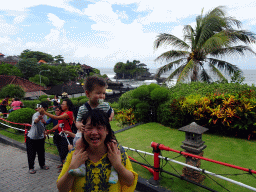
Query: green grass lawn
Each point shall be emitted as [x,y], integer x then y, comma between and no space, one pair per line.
[230,150]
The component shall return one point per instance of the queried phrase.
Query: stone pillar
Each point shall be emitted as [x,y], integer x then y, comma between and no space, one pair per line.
[193,144]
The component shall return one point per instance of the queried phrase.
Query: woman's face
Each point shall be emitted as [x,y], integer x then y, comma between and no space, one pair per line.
[95,135]
[57,111]
[64,106]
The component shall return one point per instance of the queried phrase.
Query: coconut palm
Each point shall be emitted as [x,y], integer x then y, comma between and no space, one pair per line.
[214,36]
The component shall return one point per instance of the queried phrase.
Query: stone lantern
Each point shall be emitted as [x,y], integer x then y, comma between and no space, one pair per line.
[193,144]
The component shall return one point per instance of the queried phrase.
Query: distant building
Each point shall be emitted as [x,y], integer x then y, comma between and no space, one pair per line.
[41,61]
[31,89]
[13,60]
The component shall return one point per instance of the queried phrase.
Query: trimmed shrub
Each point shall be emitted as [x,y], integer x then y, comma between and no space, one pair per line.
[30,103]
[13,91]
[160,95]
[81,97]
[75,102]
[142,92]
[43,97]
[23,115]
[83,101]
[125,100]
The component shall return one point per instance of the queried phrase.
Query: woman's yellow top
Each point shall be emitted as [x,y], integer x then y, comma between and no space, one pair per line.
[97,175]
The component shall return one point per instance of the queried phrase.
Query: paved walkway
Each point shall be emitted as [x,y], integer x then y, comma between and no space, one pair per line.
[14,174]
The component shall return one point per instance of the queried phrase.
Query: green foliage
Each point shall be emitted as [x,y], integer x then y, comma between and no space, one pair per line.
[28,67]
[228,108]
[160,94]
[115,106]
[130,69]
[8,69]
[31,103]
[143,112]
[49,103]
[75,102]
[43,97]
[12,90]
[23,115]
[27,54]
[125,100]
[142,92]
[126,117]
[215,35]
[81,97]
[36,79]
[83,101]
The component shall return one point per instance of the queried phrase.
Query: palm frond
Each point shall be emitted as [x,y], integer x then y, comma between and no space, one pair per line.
[230,51]
[217,72]
[188,68]
[189,33]
[237,36]
[215,42]
[168,67]
[169,39]
[176,72]
[228,67]
[171,55]
[204,76]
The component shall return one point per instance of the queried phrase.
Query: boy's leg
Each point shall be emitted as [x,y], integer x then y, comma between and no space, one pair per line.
[113,178]
[80,171]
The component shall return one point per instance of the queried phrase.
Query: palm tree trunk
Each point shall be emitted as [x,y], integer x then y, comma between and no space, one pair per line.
[194,76]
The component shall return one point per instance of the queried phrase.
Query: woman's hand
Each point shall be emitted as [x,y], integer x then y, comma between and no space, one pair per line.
[114,154]
[78,159]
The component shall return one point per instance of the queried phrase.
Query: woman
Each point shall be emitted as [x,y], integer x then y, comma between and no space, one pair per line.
[101,153]
[16,104]
[56,137]
[65,120]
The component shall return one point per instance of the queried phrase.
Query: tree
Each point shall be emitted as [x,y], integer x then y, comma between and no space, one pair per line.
[26,54]
[8,69]
[214,36]
[28,67]
[59,59]
[12,90]
[36,79]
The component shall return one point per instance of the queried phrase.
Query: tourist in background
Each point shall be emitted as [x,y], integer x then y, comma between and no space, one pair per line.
[65,121]
[36,140]
[3,105]
[16,104]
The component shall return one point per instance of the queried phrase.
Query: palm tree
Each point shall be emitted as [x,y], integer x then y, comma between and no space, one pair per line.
[59,59]
[215,35]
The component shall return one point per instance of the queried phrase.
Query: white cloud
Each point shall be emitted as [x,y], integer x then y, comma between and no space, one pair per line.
[56,21]
[19,19]
[7,29]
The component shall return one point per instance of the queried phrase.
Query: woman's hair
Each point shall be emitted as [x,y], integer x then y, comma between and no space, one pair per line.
[92,81]
[58,107]
[16,99]
[69,104]
[98,117]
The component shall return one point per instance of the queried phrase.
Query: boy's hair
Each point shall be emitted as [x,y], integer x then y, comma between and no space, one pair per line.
[98,117]
[92,81]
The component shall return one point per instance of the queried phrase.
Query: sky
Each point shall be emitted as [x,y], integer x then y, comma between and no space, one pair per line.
[101,33]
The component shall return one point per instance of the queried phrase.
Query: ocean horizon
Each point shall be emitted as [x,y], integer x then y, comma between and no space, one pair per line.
[250,75]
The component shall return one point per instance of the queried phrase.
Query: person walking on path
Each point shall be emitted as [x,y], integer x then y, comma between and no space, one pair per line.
[36,140]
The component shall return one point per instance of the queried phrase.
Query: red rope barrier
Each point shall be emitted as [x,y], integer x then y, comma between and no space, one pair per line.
[24,124]
[150,170]
[162,147]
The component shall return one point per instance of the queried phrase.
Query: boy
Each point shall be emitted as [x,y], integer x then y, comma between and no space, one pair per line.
[95,90]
